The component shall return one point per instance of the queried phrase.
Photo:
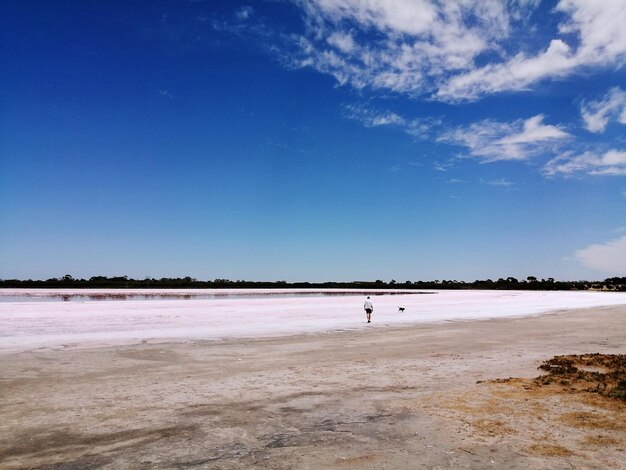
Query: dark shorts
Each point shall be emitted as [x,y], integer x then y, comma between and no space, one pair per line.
[368,310]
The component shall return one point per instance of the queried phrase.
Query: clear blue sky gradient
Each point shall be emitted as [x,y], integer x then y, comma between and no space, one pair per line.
[175,138]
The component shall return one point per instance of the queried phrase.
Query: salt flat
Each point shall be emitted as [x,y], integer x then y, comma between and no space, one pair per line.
[402,397]
[233,313]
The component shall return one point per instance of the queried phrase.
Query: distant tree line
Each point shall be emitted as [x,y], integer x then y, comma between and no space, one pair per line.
[510,283]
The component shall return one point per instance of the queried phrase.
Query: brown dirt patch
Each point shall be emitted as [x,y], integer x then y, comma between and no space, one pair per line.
[592,420]
[549,450]
[491,427]
[601,440]
[574,410]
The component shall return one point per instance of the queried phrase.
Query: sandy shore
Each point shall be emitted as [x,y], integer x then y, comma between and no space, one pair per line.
[395,397]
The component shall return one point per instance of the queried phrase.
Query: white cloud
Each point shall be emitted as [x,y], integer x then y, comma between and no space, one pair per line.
[597,26]
[610,163]
[500,182]
[534,131]
[516,74]
[611,106]
[491,141]
[418,47]
[373,118]
[443,167]
[341,41]
[244,13]
[487,140]
[369,117]
[400,45]
[609,257]
[522,9]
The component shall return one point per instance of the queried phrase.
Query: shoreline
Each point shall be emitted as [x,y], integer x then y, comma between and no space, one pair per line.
[399,396]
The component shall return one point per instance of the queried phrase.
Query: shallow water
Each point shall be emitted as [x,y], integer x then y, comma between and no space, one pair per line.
[56,296]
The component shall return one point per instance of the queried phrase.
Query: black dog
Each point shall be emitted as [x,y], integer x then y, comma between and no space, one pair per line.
[400,309]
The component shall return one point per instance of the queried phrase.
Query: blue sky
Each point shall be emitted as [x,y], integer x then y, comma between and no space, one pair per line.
[319,140]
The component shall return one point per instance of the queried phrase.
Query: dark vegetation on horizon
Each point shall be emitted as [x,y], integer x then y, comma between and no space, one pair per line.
[510,283]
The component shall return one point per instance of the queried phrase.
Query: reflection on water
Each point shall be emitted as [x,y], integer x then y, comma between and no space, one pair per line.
[88,297]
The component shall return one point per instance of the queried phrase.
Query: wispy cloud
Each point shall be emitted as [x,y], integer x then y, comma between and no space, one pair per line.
[597,114]
[244,13]
[491,141]
[405,46]
[596,27]
[165,93]
[516,74]
[371,117]
[442,166]
[609,163]
[453,51]
[609,257]
[341,41]
[500,182]
[443,50]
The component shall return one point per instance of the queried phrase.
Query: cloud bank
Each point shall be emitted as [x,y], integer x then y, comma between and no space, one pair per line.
[609,257]
[453,51]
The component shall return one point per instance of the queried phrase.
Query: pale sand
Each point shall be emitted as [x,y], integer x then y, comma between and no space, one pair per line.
[396,397]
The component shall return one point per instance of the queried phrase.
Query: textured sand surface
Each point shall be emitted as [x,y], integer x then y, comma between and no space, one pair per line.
[393,397]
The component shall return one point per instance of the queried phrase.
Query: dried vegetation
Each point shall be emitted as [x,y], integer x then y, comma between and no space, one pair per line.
[604,374]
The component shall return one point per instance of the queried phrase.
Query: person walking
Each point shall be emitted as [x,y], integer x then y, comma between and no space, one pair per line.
[369,308]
